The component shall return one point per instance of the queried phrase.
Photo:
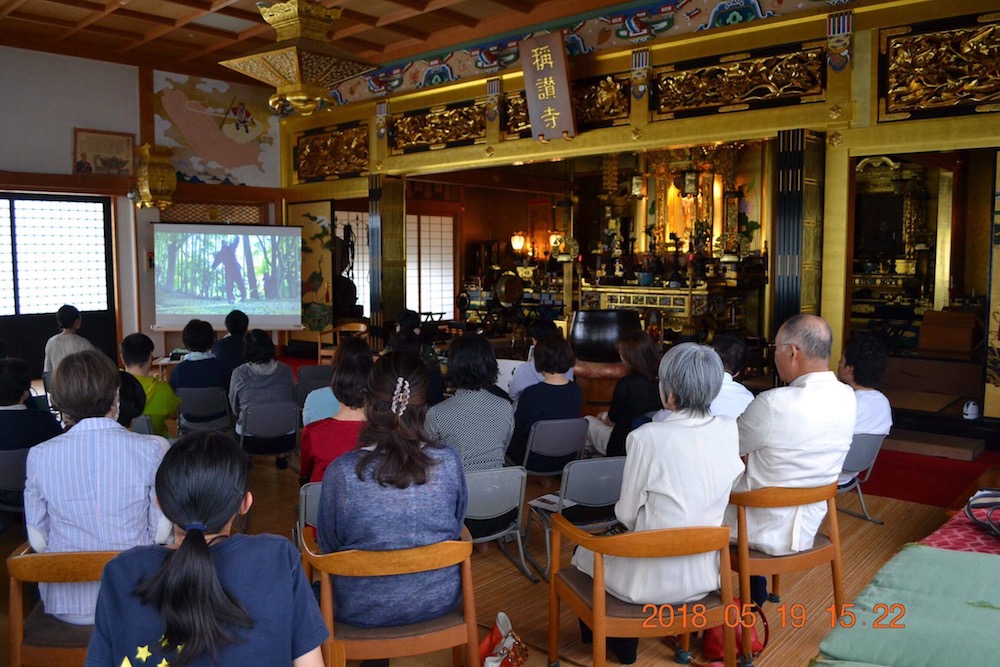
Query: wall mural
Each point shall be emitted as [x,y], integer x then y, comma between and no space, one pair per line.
[629,27]
[222,133]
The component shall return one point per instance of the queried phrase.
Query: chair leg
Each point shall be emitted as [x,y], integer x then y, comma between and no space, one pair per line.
[775,594]
[864,510]
[456,655]
[682,655]
[553,627]
[544,571]
[519,564]
[600,645]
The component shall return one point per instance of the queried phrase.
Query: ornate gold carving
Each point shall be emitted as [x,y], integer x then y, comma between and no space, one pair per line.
[949,69]
[785,77]
[332,154]
[517,116]
[438,128]
[603,100]
[836,112]
[293,19]
[836,139]
[489,151]
[636,134]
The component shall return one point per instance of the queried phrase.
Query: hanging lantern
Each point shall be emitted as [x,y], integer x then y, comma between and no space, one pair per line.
[156,177]
[517,241]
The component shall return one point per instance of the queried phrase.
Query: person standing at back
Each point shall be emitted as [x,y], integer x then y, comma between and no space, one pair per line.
[231,348]
[68,340]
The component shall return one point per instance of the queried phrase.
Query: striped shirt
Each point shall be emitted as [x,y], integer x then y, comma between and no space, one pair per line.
[91,489]
[477,424]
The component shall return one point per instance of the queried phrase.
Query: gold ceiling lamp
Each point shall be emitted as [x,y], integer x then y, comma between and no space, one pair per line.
[302,65]
[155,178]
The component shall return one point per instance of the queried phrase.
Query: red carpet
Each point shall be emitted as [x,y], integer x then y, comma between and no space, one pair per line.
[928,480]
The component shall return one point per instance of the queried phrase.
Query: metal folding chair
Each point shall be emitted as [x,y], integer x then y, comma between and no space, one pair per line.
[859,462]
[555,439]
[493,494]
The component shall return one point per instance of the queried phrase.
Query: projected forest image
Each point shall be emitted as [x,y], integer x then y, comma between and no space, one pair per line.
[208,273]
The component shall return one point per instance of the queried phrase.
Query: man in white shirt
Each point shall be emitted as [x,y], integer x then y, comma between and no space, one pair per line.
[795,436]
[861,367]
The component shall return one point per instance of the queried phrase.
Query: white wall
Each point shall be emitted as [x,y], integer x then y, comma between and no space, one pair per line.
[46,96]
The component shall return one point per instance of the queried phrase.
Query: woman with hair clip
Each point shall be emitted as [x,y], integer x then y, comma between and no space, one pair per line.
[397,491]
[202,601]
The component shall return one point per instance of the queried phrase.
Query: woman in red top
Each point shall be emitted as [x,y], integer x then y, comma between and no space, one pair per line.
[326,439]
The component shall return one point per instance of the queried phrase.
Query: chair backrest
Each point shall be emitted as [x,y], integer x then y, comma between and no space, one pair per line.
[664,543]
[506,368]
[320,375]
[269,420]
[776,496]
[493,493]
[357,563]
[556,437]
[143,424]
[12,469]
[198,402]
[58,567]
[305,387]
[309,504]
[40,402]
[592,482]
[359,329]
[863,452]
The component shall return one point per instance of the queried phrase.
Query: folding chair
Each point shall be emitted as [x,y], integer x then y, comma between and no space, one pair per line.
[555,439]
[308,514]
[269,429]
[859,462]
[457,629]
[591,488]
[143,424]
[41,639]
[493,494]
[608,616]
[326,351]
[200,409]
[321,376]
[826,549]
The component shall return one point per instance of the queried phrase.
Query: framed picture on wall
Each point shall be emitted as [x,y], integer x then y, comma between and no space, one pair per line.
[318,229]
[100,152]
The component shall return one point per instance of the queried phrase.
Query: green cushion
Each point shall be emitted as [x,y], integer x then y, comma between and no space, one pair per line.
[952,609]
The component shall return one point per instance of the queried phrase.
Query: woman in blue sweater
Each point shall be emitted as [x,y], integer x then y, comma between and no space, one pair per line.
[397,491]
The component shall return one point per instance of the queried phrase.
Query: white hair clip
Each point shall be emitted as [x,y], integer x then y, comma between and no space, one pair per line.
[400,397]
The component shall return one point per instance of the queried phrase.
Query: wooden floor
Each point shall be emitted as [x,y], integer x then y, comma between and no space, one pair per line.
[500,587]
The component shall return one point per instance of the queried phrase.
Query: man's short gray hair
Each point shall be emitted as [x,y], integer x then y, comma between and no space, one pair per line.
[809,333]
[693,373]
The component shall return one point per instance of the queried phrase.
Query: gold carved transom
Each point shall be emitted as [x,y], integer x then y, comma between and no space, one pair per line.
[602,101]
[950,69]
[788,77]
[516,115]
[332,154]
[439,128]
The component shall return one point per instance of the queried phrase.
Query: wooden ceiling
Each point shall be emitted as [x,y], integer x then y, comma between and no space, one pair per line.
[192,36]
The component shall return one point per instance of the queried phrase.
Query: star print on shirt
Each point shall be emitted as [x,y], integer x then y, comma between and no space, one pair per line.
[163,663]
[143,653]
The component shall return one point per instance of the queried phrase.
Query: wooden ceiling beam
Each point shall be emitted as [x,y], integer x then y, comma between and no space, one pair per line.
[457,18]
[10,7]
[366,22]
[242,36]
[155,19]
[179,23]
[91,19]
[64,24]
[517,5]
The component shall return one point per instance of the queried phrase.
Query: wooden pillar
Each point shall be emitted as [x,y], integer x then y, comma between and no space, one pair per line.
[387,245]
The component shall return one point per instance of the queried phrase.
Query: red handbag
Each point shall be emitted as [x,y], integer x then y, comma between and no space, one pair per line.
[502,647]
[711,643]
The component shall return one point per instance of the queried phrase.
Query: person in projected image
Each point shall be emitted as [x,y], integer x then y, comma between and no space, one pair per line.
[234,272]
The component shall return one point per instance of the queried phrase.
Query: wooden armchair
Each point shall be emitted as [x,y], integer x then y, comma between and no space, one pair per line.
[456,630]
[327,350]
[826,549]
[41,639]
[607,616]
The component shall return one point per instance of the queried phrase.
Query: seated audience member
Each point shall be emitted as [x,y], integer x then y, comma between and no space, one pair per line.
[68,340]
[230,348]
[554,397]
[479,419]
[91,488]
[635,394]
[527,374]
[200,369]
[262,379]
[206,594]
[733,398]
[326,439]
[397,491]
[161,401]
[861,367]
[795,436]
[21,427]
[131,403]
[408,338]
[678,474]
[319,404]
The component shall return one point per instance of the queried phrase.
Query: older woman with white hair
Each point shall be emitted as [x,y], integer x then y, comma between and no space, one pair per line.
[678,474]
